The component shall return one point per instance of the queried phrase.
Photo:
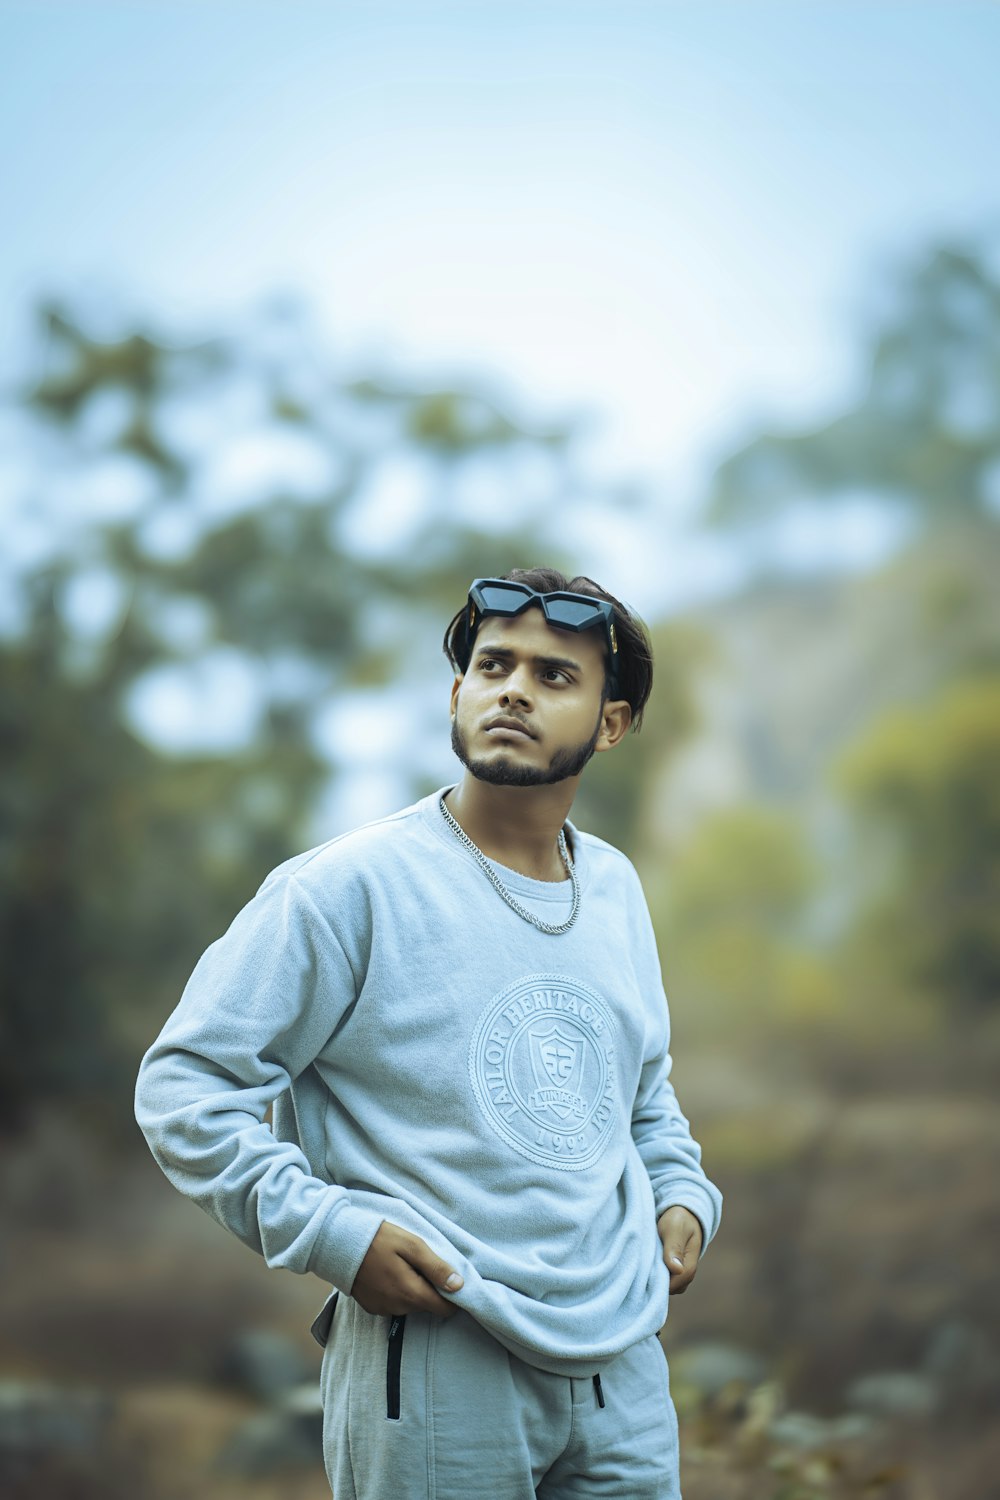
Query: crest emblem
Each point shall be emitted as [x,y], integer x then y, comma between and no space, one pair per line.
[556,1061]
[543,1068]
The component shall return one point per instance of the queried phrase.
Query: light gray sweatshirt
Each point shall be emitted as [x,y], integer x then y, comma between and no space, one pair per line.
[435,1060]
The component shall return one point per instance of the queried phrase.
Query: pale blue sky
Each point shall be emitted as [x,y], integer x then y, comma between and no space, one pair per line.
[667,214]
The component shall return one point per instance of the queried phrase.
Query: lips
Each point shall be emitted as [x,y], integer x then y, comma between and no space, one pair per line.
[516,725]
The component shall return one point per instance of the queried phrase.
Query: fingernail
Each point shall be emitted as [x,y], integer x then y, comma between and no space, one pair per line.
[676,1261]
[453,1283]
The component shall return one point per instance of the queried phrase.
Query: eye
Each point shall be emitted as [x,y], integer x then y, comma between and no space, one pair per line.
[555,674]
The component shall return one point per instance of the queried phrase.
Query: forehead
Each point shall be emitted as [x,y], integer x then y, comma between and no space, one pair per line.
[530,634]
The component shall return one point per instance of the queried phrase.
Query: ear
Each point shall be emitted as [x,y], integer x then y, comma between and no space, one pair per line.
[455,690]
[616,717]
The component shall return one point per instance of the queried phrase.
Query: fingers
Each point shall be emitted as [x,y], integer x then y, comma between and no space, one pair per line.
[419,1296]
[681,1235]
[435,1270]
[425,1272]
[398,1273]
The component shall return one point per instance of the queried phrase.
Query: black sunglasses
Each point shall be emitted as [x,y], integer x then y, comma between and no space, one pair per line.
[502,596]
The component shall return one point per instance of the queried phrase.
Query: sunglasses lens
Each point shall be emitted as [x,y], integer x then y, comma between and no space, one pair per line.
[504,598]
[572,612]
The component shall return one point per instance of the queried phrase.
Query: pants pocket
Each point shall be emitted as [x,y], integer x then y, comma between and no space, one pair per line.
[321,1325]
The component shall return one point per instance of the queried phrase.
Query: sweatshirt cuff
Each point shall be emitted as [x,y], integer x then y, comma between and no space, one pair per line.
[696,1201]
[342,1244]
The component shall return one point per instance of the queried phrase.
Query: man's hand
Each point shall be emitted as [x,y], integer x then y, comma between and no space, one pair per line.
[399,1275]
[680,1235]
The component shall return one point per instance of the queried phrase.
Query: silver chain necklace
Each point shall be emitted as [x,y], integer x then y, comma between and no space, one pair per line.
[501,889]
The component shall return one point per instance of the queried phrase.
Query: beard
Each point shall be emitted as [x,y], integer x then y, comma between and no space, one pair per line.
[507,772]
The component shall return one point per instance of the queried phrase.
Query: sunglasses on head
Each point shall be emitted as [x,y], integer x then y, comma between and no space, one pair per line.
[502,596]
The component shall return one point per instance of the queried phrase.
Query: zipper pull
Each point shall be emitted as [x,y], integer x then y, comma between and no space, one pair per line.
[600,1393]
[394,1328]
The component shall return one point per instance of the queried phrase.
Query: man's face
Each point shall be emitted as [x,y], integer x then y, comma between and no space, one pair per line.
[529,709]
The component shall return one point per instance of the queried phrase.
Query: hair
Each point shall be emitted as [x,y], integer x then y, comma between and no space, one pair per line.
[635,651]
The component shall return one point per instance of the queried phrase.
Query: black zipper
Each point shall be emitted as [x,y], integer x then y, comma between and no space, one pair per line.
[394,1357]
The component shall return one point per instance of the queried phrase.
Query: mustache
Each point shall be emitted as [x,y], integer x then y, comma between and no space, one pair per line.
[510,721]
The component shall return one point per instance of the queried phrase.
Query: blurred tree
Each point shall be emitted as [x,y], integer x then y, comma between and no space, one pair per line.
[257,546]
[924,788]
[814,663]
[926,433]
[732,912]
[263,530]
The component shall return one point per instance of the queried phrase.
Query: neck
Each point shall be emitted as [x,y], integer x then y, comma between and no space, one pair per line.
[516,826]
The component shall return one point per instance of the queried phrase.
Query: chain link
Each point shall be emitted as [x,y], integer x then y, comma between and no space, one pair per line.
[501,889]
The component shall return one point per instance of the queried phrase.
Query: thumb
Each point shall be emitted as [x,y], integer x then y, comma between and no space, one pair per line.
[675,1252]
[675,1242]
[433,1269]
[681,1237]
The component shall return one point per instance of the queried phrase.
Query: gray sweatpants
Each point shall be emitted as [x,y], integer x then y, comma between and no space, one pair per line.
[419,1409]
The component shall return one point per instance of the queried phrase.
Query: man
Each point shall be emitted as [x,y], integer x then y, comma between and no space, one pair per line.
[458,1016]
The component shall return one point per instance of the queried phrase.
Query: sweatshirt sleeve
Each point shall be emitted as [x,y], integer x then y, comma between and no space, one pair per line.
[662,1135]
[259,1007]
[669,1152]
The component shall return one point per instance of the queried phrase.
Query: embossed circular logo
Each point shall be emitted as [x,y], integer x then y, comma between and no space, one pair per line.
[542,1062]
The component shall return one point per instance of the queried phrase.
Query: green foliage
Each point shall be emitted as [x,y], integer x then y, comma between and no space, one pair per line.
[120,862]
[453,423]
[731,912]
[924,787]
[745,865]
[118,866]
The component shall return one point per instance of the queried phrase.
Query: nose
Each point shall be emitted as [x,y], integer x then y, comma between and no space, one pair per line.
[516,689]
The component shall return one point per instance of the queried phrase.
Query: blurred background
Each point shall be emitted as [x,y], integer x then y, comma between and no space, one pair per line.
[310,313]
